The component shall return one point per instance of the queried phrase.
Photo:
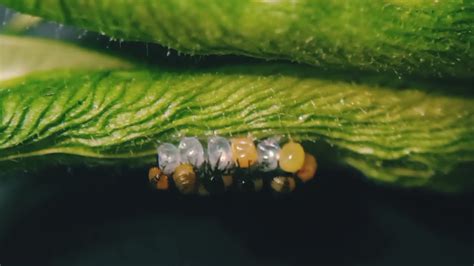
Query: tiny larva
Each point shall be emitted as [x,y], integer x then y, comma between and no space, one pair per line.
[240,164]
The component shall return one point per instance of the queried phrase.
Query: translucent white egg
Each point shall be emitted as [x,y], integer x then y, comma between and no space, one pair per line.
[268,154]
[168,158]
[191,151]
[219,150]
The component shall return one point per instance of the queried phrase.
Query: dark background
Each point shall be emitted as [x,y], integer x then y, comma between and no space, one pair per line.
[103,216]
[82,216]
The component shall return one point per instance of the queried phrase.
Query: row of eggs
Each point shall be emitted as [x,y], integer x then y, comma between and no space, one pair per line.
[223,154]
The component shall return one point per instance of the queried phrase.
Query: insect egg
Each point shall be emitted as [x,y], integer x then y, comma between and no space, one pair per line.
[169,158]
[268,154]
[283,184]
[191,151]
[185,178]
[219,153]
[158,179]
[291,157]
[244,152]
[309,168]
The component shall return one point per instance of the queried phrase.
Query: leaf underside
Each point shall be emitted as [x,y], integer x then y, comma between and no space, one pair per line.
[406,136]
[421,37]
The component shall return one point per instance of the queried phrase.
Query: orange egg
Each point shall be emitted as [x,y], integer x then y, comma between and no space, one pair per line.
[244,152]
[291,157]
[309,168]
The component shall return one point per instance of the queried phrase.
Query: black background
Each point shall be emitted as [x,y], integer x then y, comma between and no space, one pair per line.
[82,216]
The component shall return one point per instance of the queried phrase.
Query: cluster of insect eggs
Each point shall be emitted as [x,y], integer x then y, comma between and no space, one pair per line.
[236,162]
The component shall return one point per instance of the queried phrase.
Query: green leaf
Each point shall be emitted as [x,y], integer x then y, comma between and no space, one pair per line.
[421,37]
[20,23]
[22,55]
[408,136]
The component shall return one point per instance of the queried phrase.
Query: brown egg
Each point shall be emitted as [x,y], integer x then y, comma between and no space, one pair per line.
[185,178]
[158,179]
[309,168]
[283,184]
